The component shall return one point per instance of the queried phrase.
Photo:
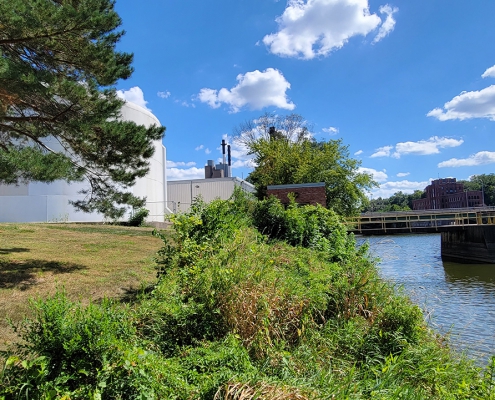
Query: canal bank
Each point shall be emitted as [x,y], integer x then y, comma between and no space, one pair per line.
[469,244]
[457,299]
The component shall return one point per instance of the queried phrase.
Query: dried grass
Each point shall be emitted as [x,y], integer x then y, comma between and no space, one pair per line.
[263,391]
[261,315]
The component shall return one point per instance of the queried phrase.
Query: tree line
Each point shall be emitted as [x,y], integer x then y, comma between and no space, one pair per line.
[400,201]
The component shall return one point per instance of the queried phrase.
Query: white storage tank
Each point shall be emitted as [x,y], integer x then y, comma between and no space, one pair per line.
[49,202]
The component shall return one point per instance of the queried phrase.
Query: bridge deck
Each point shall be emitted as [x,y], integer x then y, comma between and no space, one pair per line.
[420,221]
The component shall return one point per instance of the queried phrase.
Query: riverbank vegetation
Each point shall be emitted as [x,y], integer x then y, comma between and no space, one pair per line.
[253,301]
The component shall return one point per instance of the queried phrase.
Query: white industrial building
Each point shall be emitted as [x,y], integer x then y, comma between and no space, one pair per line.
[182,193]
[49,202]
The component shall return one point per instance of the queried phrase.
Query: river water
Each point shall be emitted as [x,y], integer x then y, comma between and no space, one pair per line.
[457,299]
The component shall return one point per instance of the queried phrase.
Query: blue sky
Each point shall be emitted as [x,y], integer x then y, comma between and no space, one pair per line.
[408,85]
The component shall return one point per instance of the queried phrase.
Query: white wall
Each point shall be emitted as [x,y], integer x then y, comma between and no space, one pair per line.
[49,202]
[182,193]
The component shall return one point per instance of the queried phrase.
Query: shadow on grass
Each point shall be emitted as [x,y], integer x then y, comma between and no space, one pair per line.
[14,250]
[25,274]
[132,295]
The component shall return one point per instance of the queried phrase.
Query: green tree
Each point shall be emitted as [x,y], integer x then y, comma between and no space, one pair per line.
[484,182]
[285,153]
[399,201]
[58,105]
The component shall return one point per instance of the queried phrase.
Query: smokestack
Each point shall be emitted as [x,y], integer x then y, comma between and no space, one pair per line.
[223,150]
[229,158]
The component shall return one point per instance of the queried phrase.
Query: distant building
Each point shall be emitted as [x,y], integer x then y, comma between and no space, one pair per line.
[305,193]
[221,170]
[448,193]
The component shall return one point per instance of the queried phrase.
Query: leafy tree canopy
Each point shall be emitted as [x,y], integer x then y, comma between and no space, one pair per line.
[484,182]
[285,153]
[58,104]
[399,201]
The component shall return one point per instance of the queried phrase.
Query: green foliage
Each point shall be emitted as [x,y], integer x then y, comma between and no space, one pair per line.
[138,217]
[289,155]
[397,202]
[313,227]
[203,230]
[484,182]
[58,105]
[74,340]
[298,314]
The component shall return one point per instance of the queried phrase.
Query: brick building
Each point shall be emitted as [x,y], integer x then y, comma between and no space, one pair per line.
[448,193]
[305,193]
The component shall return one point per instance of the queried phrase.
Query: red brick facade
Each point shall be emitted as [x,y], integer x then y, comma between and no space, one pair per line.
[306,193]
[448,193]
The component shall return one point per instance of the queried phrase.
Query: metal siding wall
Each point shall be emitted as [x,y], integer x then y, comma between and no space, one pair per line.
[210,189]
[215,189]
[179,193]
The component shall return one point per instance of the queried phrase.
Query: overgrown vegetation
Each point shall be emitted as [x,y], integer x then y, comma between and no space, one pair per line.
[253,301]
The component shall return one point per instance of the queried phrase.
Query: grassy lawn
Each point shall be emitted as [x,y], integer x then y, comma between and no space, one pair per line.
[87,261]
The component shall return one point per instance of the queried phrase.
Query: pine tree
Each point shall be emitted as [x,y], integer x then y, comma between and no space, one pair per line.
[58,68]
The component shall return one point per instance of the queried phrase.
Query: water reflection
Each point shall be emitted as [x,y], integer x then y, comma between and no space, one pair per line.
[457,299]
[470,273]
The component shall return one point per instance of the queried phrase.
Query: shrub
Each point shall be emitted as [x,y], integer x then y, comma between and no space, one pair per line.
[138,217]
[314,227]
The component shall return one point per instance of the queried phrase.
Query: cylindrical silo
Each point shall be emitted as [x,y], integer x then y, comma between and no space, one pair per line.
[49,202]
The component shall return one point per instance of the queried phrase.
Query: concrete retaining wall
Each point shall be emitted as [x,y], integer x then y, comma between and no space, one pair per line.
[472,244]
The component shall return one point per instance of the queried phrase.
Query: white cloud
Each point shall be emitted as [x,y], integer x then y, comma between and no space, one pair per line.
[476,104]
[389,24]
[480,158]
[133,95]
[172,164]
[311,28]
[201,147]
[379,176]
[254,90]
[402,174]
[359,152]
[490,72]
[243,164]
[387,189]
[425,147]
[382,152]
[176,174]
[421,147]
[331,130]
[164,95]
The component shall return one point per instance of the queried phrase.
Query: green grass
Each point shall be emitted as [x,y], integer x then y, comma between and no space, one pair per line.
[89,261]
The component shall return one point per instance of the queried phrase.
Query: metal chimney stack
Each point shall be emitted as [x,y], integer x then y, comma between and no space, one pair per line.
[223,150]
